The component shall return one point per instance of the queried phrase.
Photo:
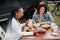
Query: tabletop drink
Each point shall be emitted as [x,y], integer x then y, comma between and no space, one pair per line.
[30,23]
[54,28]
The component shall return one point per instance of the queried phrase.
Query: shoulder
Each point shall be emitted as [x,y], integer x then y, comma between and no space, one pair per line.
[48,13]
[14,20]
[35,13]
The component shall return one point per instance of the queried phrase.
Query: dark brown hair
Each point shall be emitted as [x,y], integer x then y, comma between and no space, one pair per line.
[39,6]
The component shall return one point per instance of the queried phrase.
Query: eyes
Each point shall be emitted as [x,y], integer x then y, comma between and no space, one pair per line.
[42,9]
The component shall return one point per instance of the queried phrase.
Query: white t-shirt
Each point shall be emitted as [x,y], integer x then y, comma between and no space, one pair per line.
[14,30]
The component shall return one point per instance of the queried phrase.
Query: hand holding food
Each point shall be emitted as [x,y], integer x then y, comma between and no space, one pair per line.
[41,30]
[45,26]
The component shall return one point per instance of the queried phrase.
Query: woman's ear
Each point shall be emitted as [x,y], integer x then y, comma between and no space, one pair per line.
[16,13]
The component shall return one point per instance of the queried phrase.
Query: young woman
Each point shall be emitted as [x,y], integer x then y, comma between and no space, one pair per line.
[14,28]
[42,15]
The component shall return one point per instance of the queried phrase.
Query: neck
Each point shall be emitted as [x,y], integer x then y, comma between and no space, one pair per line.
[41,14]
[16,18]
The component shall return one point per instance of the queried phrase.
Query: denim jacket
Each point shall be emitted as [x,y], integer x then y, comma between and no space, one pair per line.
[46,17]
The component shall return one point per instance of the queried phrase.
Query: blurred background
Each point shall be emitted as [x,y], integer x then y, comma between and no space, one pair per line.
[28,5]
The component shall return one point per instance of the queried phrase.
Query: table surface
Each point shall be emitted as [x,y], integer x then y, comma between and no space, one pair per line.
[46,35]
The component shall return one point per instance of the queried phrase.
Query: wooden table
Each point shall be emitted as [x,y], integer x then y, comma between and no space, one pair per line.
[44,36]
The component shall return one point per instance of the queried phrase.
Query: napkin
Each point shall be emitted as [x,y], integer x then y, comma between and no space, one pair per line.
[54,33]
[27,33]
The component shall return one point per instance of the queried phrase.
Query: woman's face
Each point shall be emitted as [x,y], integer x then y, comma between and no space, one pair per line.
[19,14]
[42,10]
